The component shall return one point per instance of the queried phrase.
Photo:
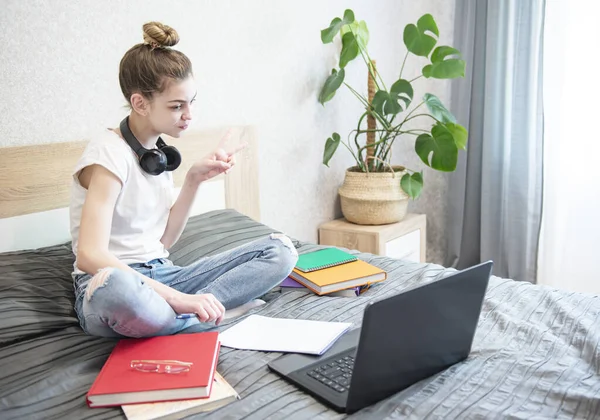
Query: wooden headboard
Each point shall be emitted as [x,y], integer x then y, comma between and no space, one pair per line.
[35,181]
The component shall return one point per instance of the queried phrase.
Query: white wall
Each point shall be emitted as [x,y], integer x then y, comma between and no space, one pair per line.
[257,62]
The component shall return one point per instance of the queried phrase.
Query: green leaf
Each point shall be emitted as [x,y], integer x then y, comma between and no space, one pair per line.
[438,150]
[331,146]
[416,38]
[380,98]
[442,68]
[386,103]
[437,109]
[333,82]
[360,32]
[336,24]
[459,133]
[402,89]
[412,184]
[448,69]
[350,49]
[442,52]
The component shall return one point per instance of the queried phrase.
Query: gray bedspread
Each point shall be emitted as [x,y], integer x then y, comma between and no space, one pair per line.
[535,353]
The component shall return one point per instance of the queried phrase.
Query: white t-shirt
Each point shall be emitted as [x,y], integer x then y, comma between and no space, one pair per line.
[142,208]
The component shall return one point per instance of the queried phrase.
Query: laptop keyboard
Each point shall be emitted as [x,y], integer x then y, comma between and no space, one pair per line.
[335,374]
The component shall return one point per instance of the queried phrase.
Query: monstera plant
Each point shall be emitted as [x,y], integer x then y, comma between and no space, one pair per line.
[390,112]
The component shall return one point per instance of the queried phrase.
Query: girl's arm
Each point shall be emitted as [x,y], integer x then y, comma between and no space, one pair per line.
[94,232]
[215,163]
[180,212]
[93,254]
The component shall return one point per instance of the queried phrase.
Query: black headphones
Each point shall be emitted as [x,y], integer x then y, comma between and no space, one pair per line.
[152,161]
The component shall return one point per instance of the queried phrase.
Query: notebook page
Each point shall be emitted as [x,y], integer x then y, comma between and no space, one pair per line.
[284,335]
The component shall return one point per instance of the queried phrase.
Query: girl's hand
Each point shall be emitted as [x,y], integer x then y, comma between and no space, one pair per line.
[221,160]
[206,306]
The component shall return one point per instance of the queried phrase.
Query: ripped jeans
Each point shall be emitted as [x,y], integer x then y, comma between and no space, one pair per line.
[121,304]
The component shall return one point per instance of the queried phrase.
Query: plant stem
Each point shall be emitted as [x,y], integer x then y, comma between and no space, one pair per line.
[412,80]
[414,109]
[415,116]
[352,153]
[367,105]
[402,68]
[367,61]
[373,144]
[413,131]
[358,95]
[360,120]
[379,75]
[384,162]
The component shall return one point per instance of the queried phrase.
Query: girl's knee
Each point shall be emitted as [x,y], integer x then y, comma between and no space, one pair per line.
[285,252]
[118,280]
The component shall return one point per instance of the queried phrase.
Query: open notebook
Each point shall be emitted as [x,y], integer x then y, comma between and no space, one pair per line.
[285,335]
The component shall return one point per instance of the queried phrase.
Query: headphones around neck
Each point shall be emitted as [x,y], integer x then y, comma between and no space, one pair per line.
[152,161]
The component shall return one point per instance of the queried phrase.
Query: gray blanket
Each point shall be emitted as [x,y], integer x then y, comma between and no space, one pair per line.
[535,353]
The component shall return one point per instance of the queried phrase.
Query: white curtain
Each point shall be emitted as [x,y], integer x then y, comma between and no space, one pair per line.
[495,195]
[569,253]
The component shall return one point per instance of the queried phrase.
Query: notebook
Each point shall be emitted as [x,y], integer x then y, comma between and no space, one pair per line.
[323,258]
[222,394]
[284,335]
[345,276]
[290,283]
[118,383]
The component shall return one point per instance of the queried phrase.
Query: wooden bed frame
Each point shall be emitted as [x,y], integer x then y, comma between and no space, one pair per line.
[35,185]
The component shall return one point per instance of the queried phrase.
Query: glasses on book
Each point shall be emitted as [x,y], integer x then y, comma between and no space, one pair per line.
[161,366]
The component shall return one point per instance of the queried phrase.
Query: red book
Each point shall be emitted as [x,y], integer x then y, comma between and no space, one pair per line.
[118,383]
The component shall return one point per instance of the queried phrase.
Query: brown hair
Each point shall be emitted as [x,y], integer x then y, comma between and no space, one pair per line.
[147,68]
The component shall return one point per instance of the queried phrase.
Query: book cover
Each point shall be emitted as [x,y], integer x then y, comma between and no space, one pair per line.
[345,276]
[118,383]
[222,394]
[323,258]
[290,283]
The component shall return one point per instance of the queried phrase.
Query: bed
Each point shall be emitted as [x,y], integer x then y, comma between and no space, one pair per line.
[535,353]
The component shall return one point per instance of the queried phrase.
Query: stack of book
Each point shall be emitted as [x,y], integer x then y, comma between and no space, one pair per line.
[163,377]
[333,272]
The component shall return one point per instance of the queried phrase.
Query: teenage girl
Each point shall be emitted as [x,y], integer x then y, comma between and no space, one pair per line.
[124,217]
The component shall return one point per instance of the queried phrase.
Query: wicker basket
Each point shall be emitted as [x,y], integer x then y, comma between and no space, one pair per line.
[373,198]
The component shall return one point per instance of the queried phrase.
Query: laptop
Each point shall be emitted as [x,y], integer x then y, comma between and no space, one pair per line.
[403,339]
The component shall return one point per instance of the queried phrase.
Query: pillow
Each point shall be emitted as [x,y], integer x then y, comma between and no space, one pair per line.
[36,288]
[36,292]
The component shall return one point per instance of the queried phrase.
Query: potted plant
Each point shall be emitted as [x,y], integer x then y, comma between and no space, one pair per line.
[375,191]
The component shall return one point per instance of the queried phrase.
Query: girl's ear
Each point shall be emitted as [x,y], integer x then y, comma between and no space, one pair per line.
[139,104]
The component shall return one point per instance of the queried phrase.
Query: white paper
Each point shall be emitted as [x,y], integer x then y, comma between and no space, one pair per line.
[285,335]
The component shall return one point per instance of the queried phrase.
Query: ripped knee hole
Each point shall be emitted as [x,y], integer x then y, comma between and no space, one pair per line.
[99,280]
[287,242]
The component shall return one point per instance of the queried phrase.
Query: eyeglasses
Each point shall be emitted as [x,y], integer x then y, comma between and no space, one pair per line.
[161,366]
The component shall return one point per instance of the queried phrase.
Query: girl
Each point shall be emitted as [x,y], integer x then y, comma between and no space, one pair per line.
[123,219]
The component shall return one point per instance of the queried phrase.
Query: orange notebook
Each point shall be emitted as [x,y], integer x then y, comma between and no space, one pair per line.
[118,383]
[345,276]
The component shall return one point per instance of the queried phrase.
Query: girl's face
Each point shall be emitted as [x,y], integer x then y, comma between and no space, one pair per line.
[170,111]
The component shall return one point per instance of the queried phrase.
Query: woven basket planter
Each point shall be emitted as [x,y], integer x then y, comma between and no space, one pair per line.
[373,198]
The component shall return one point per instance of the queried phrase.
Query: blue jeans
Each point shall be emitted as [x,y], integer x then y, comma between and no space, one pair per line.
[123,305]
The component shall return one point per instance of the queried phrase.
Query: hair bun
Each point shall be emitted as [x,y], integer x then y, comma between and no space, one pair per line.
[159,35]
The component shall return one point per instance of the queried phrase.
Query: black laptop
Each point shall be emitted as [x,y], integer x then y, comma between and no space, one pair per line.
[403,339]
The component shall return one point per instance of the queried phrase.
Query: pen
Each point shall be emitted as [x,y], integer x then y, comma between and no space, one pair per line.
[186,316]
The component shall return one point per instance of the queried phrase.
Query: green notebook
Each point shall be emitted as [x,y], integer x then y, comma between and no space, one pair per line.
[323,258]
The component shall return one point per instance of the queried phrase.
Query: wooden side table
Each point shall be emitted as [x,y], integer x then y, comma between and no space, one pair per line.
[403,240]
